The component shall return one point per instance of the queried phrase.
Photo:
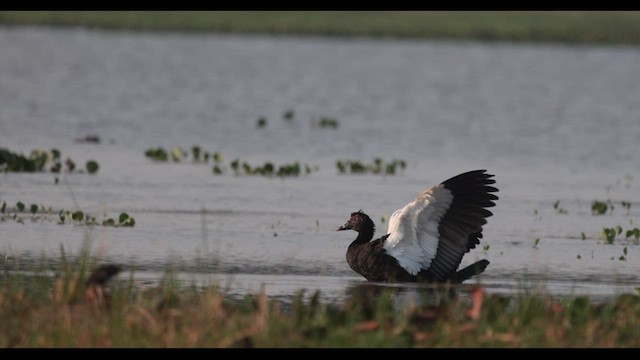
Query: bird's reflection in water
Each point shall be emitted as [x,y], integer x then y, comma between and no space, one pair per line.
[368,297]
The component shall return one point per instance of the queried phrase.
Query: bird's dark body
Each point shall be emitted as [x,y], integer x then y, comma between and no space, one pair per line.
[372,261]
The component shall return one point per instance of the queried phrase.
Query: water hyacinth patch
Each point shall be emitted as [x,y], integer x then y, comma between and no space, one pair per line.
[157,154]
[268,169]
[236,166]
[39,160]
[326,122]
[610,234]
[599,207]
[378,166]
[634,233]
[92,166]
[78,217]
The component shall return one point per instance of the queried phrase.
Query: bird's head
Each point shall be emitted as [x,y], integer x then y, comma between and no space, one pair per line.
[356,222]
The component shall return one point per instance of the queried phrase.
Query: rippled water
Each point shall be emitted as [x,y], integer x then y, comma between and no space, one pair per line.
[554,123]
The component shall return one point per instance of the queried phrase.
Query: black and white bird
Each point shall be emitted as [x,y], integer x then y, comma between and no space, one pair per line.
[428,237]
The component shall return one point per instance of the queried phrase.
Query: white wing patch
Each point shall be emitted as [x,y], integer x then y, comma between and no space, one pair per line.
[413,230]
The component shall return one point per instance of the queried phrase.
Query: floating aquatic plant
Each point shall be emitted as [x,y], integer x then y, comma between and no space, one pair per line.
[195,151]
[157,154]
[599,207]
[268,169]
[635,233]
[378,166]
[177,154]
[609,234]
[92,166]
[558,208]
[63,216]
[326,122]
[38,161]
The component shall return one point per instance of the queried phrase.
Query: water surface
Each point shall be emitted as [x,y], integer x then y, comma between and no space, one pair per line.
[554,123]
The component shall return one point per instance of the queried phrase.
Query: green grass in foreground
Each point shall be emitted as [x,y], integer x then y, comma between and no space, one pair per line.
[612,27]
[60,311]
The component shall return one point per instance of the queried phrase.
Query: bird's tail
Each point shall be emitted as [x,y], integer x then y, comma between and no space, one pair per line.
[471,270]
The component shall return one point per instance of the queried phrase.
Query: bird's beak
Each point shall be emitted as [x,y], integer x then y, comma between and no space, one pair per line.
[344,227]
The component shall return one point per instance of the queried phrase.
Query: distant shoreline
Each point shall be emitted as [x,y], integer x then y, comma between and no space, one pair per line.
[570,27]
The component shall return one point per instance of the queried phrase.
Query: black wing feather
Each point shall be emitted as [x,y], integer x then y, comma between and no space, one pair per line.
[460,228]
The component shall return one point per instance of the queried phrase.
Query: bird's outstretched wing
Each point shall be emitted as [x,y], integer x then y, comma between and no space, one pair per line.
[435,230]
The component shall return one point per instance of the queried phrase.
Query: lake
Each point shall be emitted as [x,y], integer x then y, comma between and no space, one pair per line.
[559,126]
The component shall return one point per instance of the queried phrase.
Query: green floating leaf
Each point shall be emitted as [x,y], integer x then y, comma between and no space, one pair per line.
[157,154]
[123,217]
[598,207]
[109,222]
[92,166]
[635,233]
[77,216]
[609,234]
[125,220]
[195,151]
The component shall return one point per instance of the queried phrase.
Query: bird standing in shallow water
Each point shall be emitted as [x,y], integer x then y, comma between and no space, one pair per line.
[427,238]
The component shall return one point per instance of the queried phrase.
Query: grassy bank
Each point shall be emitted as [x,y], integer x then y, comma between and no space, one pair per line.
[66,310]
[610,27]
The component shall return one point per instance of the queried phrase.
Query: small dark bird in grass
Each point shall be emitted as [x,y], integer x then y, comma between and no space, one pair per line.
[427,238]
[95,292]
